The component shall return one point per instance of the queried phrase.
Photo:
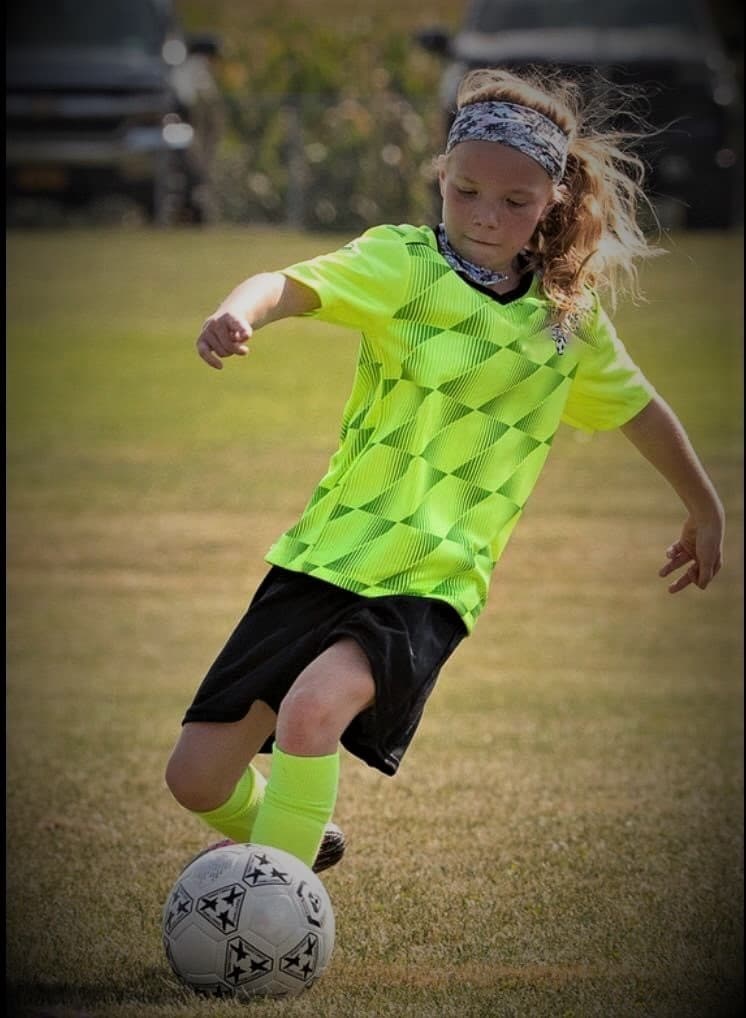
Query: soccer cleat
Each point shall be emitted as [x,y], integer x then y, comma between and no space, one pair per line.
[331,849]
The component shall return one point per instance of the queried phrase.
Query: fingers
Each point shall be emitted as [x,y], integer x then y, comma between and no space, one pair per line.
[708,570]
[222,336]
[678,556]
[687,578]
[703,568]
[206,353]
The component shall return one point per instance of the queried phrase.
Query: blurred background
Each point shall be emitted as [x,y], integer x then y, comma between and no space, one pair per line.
[320,117]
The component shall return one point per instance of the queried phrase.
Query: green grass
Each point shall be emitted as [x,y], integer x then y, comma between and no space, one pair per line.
[564,836]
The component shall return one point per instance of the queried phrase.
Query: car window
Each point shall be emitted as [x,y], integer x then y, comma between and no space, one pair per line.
[130,24]
[491,16]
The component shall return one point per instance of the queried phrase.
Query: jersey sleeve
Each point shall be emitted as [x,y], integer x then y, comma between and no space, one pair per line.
[362,282]
[608,389]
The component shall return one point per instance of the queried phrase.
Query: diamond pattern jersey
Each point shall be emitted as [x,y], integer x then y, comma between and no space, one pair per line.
[455,402]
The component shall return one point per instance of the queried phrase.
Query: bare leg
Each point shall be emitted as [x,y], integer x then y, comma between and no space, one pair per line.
[210,757]
[324,699]
[301,793]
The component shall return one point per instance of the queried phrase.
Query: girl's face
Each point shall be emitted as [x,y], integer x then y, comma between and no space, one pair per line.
[493,199]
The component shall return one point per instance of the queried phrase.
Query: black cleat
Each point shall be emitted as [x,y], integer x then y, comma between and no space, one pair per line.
[331,849]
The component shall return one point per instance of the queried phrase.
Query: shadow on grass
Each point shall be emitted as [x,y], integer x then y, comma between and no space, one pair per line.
[148,988]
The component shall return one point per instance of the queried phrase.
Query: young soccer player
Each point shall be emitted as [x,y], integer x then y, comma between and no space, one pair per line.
[478,339]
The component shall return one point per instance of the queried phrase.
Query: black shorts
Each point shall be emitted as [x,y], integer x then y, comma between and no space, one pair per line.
[294,617]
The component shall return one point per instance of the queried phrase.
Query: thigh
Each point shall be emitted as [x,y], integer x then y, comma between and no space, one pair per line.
[339,680]
[407,640]
[333,689]
[281,634]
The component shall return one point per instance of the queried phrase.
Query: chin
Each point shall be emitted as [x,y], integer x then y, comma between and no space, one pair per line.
[488,257]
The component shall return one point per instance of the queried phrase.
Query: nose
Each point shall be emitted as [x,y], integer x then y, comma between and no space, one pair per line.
[486,214]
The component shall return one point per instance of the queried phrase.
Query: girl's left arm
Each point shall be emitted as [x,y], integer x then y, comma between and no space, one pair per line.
[659,435]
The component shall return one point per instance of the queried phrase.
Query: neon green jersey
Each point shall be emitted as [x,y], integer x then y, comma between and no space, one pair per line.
[455,402]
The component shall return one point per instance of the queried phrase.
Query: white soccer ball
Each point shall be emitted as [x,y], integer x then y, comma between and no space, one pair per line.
[245,921]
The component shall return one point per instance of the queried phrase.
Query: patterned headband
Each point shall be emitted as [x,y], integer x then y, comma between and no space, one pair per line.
[517,126]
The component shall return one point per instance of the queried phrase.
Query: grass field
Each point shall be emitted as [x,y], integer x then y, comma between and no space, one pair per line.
[564,838]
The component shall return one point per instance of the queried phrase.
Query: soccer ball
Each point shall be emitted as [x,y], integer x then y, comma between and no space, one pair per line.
[246,921]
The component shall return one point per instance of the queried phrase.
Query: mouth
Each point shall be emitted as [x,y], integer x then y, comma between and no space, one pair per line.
[482,243]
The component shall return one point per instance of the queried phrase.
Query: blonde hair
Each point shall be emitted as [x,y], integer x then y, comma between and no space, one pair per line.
[591,238]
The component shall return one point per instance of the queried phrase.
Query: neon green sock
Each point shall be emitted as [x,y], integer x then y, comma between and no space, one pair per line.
[298,803]
[235,818]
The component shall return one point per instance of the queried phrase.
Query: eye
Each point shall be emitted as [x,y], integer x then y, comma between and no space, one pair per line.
[465,190]
[516,204]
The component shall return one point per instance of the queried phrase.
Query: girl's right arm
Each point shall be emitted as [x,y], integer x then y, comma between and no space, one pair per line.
[257,301]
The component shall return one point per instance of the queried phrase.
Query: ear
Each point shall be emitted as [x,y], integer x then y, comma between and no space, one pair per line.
[441,184]
[441,167]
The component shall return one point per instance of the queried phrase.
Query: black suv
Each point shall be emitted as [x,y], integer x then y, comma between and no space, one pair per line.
[108,98]
[670,51]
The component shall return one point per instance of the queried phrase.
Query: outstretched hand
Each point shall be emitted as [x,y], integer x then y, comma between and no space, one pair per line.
[699,547]
[223,335]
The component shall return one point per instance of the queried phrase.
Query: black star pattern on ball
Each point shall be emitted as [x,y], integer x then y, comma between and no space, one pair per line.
[244,962]
[302,960]
[261,870]
[180,906]
[222,908]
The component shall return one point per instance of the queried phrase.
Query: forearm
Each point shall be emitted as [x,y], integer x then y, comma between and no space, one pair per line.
[267,297]
[659,436]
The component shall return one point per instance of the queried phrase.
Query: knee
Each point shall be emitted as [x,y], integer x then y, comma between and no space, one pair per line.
[324,700]
[308,723]
[191,789]
[177,781]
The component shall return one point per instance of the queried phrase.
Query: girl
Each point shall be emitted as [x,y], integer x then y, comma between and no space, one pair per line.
[478,339]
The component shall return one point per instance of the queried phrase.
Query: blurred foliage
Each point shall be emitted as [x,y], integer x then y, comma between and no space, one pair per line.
[236,18]
[332,112]
[326,126]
